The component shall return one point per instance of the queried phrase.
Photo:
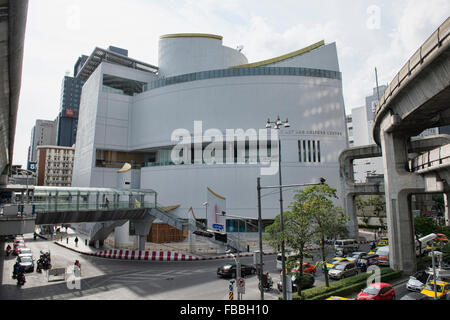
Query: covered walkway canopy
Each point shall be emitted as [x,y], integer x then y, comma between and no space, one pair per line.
[52,199]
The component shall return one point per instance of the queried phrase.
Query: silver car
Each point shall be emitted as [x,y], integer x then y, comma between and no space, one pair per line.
[27,263]
[417,281]
[342,270]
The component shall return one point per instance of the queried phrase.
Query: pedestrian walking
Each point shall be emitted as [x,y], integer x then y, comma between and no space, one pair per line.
[76,241]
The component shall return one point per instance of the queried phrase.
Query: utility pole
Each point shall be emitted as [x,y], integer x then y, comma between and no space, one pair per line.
[260,269]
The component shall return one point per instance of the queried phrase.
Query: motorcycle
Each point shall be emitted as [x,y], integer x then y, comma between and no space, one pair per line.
[266,282]
[21,279]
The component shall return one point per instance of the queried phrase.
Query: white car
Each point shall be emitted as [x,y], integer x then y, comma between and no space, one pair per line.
[417,281]
[25,252]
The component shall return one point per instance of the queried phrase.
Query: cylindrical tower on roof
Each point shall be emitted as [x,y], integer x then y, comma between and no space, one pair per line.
[194,52]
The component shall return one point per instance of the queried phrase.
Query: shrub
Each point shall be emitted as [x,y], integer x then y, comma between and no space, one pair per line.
[306,281]
[345,286]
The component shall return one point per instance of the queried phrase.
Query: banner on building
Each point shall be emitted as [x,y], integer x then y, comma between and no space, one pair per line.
[216,211]
[70,113]
[32,166]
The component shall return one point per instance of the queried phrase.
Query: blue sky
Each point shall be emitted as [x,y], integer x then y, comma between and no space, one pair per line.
[368,34]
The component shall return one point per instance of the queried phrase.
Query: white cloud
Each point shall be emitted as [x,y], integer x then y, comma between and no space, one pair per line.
[265,28]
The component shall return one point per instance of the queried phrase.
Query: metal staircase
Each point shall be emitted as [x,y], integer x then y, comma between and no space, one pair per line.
[195,226]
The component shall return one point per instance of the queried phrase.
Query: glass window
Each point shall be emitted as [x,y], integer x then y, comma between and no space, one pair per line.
[318,151]
[304,150]
[314,151]
[309,150]
[299,150]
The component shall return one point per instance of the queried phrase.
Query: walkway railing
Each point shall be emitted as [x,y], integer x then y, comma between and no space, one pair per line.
[432,44]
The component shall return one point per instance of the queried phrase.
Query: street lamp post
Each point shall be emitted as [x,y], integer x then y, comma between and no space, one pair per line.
[206,213]
[277,125]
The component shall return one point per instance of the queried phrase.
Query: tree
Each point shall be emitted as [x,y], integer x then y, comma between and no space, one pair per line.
[327,220]
[296,234]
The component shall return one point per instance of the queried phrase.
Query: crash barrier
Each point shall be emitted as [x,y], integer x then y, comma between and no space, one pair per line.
[151,255]
[56,274]
[145,255]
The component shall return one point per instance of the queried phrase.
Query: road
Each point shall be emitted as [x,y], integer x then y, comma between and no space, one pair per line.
[122,279]
[109,279]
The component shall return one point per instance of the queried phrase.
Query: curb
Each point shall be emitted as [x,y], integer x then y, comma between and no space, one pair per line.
[149,255]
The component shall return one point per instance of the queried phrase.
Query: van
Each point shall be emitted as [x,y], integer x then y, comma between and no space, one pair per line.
[383,256]
[347,243]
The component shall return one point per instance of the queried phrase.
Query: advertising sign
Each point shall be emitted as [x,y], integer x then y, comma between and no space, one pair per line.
[32,166]
[215,211]
[70,113]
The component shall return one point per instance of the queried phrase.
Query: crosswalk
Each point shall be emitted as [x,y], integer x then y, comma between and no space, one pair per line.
[130,278]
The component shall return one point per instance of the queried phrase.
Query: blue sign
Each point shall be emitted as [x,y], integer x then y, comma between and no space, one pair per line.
[32,166]
[231,287]
[218,227]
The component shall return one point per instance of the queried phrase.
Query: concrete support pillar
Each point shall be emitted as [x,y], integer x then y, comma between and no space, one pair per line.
[350,209]
[142,229]
[141,242]
[446,214]
[121,235]
[399,185]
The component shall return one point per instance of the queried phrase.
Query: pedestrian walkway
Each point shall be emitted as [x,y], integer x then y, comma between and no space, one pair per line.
[67,239]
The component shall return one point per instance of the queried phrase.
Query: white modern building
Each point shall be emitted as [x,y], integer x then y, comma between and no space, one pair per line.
[130,110]
[360,126]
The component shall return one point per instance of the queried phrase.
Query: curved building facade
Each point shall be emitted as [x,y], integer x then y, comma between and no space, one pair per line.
[210,93]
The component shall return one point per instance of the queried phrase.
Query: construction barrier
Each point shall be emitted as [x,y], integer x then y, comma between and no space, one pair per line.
[56,274]
[151,255]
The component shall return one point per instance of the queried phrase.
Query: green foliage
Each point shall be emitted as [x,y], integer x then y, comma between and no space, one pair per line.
[439,204]
[303,282]
[423,262]
[424,226]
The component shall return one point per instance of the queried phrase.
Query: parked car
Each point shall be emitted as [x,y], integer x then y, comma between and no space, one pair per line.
[383,256]
[356,256]
[442,289]
[27,263]
[307,268]
[229,270]
[366,261]
[415,296]
[346,243]
[417,281]
[331,263]
[17,248]
[345,252]
[342,270]
[25,252]
[338,298]
[377,291]
[308,282]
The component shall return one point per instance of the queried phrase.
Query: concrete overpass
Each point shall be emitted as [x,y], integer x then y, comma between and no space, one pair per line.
[36,205]
[350,189]
[417,98]
[13,16]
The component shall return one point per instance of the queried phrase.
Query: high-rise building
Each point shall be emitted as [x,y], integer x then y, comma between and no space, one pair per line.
[359,128]
[54,166]
[67,119]
[43,133]
[130,111]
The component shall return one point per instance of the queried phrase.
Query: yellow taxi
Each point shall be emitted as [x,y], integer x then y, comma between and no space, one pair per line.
[442,288]
[337,298]
[331,263]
